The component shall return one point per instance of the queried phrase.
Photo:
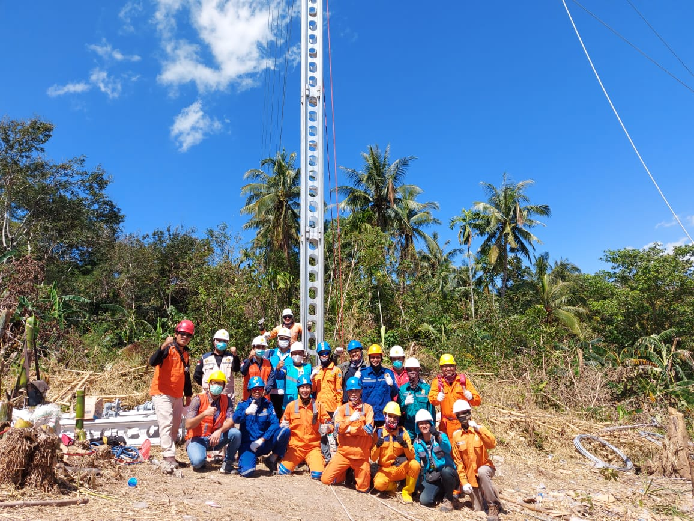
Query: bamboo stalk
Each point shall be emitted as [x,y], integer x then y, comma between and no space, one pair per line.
[48,502]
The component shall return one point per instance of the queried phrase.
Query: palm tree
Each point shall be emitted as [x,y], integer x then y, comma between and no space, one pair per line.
[273,203]
[506,219]
[470,223]
[375,187]
[409,217]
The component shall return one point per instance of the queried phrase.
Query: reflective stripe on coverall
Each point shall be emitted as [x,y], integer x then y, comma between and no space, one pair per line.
[304,443]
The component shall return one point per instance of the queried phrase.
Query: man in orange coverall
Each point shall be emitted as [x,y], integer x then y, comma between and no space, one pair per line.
[475,469]
[327,388]
[446,389]
[307,420]
[394,453]
[354,422]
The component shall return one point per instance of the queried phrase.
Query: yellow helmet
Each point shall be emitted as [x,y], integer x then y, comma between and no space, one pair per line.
[392,408]
[217,376]
[375,349]
[447,360]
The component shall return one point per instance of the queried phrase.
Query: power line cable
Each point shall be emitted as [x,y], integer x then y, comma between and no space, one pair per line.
[660,37]
[634,47]
[286,67]
[609,100]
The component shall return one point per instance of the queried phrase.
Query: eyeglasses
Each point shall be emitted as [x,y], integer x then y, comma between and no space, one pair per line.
[184,334]
[287,316]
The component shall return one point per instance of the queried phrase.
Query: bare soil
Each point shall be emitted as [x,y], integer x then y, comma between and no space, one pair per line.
[534,455]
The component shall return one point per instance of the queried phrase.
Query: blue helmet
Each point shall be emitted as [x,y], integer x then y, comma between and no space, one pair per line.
[354,344]
[353,384]
[304,379]
[323,348]
[255,381]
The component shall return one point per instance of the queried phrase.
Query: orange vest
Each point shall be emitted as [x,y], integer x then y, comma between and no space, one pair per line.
[254,370]
[208,425]
[169,376]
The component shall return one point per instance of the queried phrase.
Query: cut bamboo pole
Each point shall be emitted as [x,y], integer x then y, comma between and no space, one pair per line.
[48,502]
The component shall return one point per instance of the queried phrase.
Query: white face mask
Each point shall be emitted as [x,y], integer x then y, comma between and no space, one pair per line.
[298,358]
[283,343]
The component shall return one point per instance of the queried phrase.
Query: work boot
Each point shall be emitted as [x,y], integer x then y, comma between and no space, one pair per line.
[446,505]
[408,489]
[171,460]
[271,462]
[228,468]
[493,514]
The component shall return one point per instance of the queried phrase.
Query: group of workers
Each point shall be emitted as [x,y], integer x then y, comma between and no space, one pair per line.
[336,419]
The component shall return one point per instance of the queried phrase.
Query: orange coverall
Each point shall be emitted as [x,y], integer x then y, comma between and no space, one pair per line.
[327,385]
[355,439]
[386,454]
[304,443]
[470,452]
[452,392]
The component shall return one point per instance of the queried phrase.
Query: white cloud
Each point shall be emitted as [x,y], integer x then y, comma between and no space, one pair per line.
[669,246]
[107,52]
[234,36]
[192,125]
[70,88]
[130,10]
[107,84]
[687,220]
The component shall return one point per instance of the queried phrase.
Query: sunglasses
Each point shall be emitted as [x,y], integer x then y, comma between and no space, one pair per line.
[287,316]
[184,334]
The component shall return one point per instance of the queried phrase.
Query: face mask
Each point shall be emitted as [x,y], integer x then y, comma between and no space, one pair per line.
[298,358]
[397,364]
[391,424]
[283,343]
[216,389]
[325,362]
[259,352]
[221,346]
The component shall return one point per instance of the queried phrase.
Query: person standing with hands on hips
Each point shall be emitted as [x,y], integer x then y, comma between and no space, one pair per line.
[171,382]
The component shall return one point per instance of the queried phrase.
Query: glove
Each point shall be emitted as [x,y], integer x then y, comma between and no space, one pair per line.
[388,379]
[284,423]
[357,374]
[474,425]
[440,396]
[369,429]
[410,399]
[355,416]
[467,489]
[252,408]
[314,372]
[402,441]
[467,394]
[323,429]
[256,444]
[380,442]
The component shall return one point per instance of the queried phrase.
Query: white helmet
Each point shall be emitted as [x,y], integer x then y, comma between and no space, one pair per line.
[259,341]
[287,312]
[222,334]
[423,416]
[396,351]
[297,346]
[460,406]
[283,331]
[411,363]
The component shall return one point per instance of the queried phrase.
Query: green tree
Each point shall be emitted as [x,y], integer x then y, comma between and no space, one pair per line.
[506,220]
[410,217]
[273,204]
[469,224]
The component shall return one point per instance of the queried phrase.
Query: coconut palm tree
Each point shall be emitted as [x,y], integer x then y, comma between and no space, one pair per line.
[409,217]
[273,204]
[506,220]
[469,224]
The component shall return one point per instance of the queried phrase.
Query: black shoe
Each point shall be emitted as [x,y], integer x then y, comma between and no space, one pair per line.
[200,468]
[271,463]
[350,480]
[228,468]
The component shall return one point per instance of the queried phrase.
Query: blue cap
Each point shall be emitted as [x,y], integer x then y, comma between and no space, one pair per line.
[255,381]
[353,384]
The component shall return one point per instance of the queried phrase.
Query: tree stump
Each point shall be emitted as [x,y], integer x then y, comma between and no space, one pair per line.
[675,460]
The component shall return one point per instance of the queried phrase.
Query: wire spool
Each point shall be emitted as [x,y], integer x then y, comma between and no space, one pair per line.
[628,464]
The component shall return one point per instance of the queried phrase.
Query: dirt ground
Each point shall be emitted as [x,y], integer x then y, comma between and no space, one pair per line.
[535,455]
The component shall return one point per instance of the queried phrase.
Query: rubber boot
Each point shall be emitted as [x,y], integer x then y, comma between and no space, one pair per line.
[408,489]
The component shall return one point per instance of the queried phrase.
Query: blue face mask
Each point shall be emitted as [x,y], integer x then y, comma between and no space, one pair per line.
[397,364]
[221,346]
[216,389]
[259,352]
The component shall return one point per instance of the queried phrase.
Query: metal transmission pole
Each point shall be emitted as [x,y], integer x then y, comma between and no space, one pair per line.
[312,197]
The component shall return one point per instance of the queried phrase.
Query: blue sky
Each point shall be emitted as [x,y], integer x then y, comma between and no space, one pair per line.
[174,98]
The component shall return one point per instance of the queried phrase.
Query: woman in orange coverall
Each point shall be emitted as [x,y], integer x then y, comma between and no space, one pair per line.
[394,454]
[446,389]
[307,420]
[354,422]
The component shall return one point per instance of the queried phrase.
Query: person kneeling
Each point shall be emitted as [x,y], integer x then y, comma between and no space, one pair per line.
[475,468]
[307,420]
[438,477]
[210,426]
[354,422]
[261,433]
[395,456]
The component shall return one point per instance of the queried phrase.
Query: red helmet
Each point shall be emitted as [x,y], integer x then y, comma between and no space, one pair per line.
[186,326]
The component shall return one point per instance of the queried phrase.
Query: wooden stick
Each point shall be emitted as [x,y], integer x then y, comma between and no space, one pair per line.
[49,502]
[73,386]
[132,369]
[119,395]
